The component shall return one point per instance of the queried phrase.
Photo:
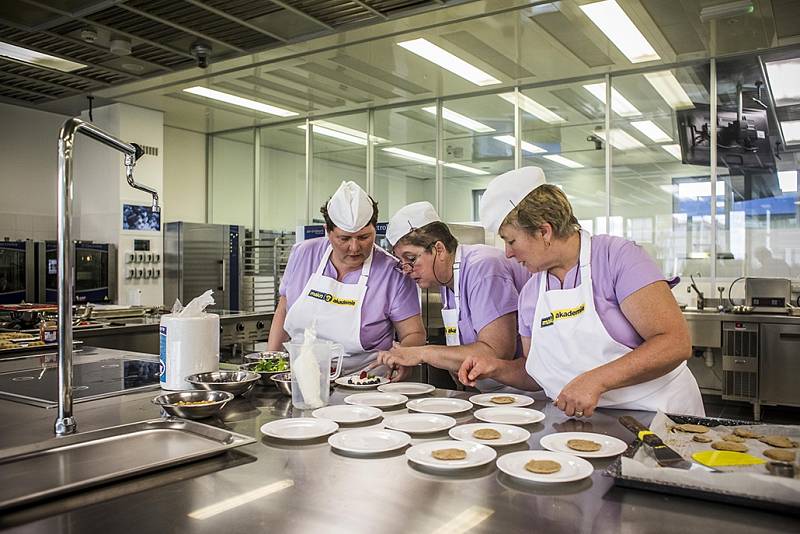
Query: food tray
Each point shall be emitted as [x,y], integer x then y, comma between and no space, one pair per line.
[71,463]
[47,348]
[685,490]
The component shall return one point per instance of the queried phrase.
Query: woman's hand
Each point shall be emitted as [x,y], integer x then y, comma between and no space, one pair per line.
[579,398]
[397,356]
[475,367]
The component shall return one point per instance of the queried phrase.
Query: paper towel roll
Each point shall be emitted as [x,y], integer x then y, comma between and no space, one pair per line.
[189,345]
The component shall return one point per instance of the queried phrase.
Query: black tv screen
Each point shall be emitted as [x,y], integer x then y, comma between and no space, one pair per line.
[745,148]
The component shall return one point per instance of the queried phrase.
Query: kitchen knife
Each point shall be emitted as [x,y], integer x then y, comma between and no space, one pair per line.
[665,456]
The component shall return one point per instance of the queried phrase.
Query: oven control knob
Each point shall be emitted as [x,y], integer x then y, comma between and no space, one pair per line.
[239,327]
[260,325]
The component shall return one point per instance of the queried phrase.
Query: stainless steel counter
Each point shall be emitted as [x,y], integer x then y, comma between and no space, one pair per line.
[694,315]
[308,488]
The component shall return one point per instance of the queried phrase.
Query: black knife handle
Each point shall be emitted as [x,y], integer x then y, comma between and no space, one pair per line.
[637,428]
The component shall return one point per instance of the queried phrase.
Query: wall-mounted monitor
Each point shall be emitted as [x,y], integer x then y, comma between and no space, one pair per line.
[140,218]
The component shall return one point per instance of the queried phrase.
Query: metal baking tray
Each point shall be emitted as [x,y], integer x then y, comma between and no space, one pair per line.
[71,463]
[615,471]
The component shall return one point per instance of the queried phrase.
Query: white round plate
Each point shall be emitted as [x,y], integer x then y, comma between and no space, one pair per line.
[410,389]
[419,423]
[477,454]
[572,467]
[509,416]
[345,413]
[369,441]
[485,399]
[509,435]
[609,446]
[379,400]
[299,428]
[342,381]
[439,405]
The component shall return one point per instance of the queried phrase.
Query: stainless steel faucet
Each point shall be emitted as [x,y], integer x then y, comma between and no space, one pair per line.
[65,422]
[701,300]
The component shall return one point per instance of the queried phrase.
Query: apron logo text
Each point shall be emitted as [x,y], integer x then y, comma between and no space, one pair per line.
[557,315]
[451,330]
[332,299]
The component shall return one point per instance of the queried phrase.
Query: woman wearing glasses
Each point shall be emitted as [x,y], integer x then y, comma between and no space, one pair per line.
[347,287]
[598,321]
[479,288]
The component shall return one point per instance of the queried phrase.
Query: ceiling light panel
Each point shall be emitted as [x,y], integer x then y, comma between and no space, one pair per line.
[526,146]
[620,139]
[37,59]
[533,107]
[430,160]
[435,54]
[561,160]
[619,104]
[791,131]
[788,181]
[461,120]
[673,150]
[652,130]
[620,30]
[239,101]
[784,80]
[666,85]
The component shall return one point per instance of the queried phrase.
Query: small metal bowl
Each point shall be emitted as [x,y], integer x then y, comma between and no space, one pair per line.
[267,355]
[283,381]
[265,376]
[215,400]
[236,382]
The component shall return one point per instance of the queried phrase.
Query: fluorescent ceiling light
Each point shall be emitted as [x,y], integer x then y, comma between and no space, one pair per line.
[427,50]
[342,133]
[38,59]
[651,130]
[213,94]
[430,160]
[533,107]
[699,189]
[461,120]
[727,10]
[620,139]
[673,150]
[526,146]
[620,30]
[561,160]
[619,104]
[667,85]
[791,131]
[784,80]
[788,181]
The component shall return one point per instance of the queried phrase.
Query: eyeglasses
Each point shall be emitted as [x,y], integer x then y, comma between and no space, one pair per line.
[405,267]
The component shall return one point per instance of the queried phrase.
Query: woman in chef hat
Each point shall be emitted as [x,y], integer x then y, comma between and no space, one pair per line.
[348,287]
[479,288]
[598,321]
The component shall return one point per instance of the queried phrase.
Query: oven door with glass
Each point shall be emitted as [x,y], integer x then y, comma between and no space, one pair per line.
[16,272]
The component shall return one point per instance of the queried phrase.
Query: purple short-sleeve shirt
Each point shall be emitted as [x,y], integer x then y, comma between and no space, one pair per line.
[391,296]
[490,284]
[619,268]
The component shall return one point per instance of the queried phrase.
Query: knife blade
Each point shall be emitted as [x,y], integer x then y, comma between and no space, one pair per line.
[665,456]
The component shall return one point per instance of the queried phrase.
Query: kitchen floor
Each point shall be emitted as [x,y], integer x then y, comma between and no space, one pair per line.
[716,407]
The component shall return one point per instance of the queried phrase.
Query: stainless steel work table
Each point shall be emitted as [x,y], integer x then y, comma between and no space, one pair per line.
[330,493]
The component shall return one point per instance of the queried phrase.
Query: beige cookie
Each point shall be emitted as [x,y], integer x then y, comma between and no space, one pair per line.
[449,454]
[543,467]
[781,455]
[729,446]
[733,438]
[693,429]
[487,433]
[747,434]
[779,441]
[583,445]
[701,439]
[502,400]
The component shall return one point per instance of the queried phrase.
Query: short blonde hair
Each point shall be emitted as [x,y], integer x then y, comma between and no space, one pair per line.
[545,204]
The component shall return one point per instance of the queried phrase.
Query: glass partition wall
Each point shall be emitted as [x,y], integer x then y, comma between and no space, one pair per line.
[634,153]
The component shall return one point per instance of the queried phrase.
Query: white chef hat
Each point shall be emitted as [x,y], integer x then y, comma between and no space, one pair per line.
[350,208]
[409,218]
[504,193]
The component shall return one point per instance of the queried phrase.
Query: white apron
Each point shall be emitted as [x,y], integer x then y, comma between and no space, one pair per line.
[337,309]
[568,339]
[451,331]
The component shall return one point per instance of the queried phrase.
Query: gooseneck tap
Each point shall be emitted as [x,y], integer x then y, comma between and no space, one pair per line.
[701,300]
[65,422]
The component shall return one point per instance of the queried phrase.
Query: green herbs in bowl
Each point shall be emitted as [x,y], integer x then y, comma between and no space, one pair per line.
[276,365]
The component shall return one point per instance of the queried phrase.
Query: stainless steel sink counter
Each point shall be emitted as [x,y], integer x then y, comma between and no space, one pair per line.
[306,488]
[713,315]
